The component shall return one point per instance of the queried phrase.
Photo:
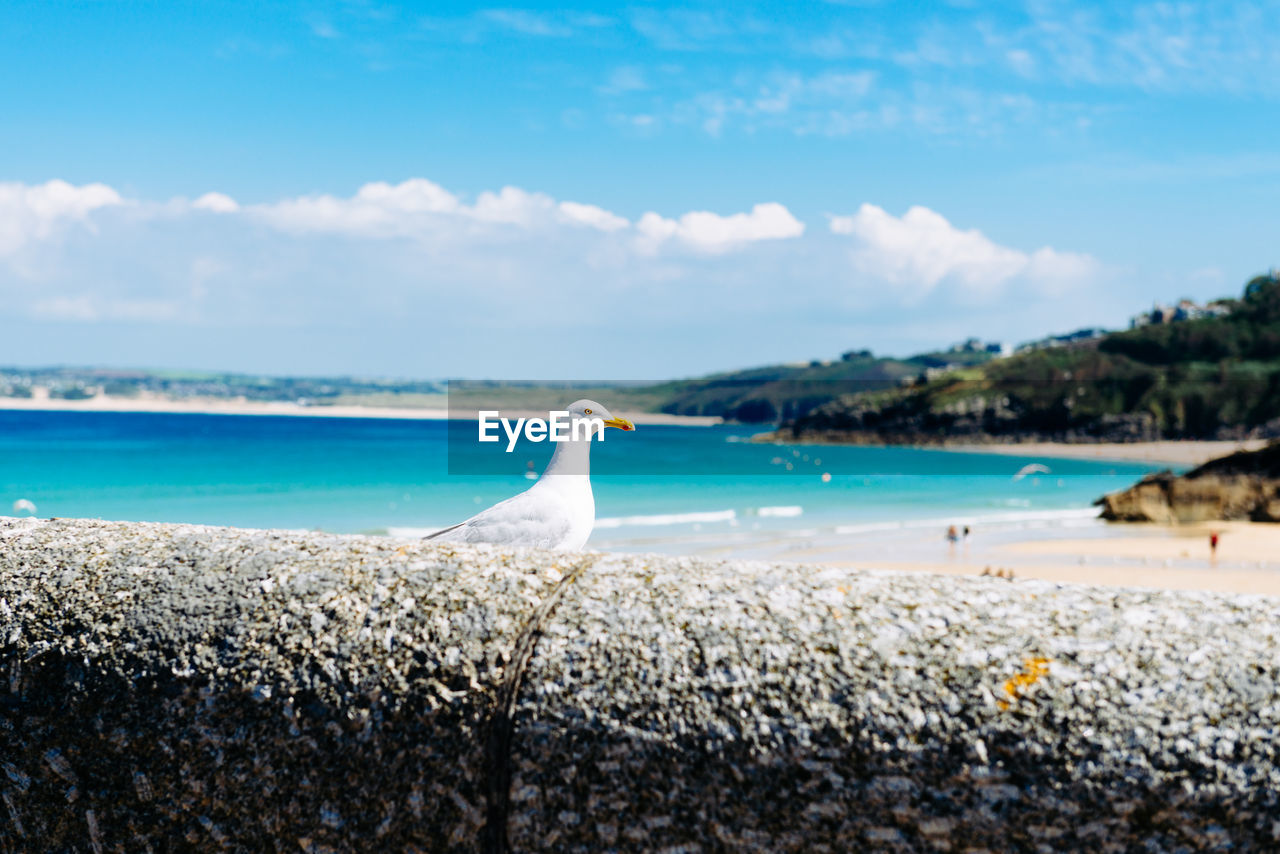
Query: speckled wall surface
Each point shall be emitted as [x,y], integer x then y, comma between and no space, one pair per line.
[172,687]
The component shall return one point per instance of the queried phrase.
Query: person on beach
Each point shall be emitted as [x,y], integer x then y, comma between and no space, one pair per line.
[1213,548]
[952,536]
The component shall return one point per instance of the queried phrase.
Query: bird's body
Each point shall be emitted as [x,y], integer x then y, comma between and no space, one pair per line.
[557,512]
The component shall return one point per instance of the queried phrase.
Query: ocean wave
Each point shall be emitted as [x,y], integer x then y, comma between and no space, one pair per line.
[787,510]
[668,519]
[1071,517]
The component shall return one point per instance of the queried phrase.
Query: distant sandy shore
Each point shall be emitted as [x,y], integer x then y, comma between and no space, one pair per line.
[1188,453]
[1169,452]
[214,406]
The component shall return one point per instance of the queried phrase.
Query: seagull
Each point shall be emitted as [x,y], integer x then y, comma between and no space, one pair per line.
[557,512]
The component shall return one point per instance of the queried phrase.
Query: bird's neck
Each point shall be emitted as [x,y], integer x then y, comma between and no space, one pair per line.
[572,457]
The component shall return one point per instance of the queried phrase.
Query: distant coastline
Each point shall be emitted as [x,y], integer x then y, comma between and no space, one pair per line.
[1173,452]
[215,406]
[1179,452]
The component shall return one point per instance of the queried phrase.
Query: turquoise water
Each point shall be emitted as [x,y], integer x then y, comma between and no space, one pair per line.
[375,475]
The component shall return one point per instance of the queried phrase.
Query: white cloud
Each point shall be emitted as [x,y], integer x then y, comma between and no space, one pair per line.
[420,208]
[1021,61]
[514,206]
[376,209]
[526,23]
[492,277]
[511,205]
[711,232]
[85,308]
[216,203]
[78,308]
[1047,68]
[838,104]
[323,29]
[915,252]
[34,212]
[921,250]
[1057,271]
[592,216]
[624,79]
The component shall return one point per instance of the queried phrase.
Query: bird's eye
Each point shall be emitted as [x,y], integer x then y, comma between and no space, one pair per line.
[587,411]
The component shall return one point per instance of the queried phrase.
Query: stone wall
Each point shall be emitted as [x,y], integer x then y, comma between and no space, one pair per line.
[171,687]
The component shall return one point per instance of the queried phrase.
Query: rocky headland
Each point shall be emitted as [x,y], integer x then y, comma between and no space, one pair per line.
[978,420]
[1242,486]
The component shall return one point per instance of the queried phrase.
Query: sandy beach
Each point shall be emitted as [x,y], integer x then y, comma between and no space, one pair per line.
[1178,453]
[216,406]
[1119,555]
[1088,552]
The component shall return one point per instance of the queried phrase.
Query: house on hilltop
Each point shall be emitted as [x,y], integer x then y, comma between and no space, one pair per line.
[1185,310]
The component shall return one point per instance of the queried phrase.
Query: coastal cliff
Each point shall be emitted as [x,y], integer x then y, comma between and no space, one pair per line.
[1209,378]
[173,687]
[1242,486]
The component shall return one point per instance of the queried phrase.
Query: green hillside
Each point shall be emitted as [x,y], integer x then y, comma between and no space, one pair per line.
[780,392]
[1207,378]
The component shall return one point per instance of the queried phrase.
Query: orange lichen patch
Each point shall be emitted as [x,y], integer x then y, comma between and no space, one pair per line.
[1033,670]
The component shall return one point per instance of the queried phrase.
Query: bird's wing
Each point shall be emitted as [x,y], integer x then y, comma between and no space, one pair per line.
[444,531]
[535,519]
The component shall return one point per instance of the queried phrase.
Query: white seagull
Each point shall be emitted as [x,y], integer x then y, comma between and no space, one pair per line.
[557,512]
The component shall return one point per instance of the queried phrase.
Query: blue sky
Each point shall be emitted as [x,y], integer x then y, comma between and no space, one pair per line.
[319,187]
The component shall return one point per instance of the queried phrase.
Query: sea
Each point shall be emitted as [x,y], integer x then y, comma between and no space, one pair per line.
[668,488]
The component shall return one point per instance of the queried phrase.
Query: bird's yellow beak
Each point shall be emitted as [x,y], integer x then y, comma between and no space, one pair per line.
[620,423]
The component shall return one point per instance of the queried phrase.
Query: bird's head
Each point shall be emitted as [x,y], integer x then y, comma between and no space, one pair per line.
[589,409]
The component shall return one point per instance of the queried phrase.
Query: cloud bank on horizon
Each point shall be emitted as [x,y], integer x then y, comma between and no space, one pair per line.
[511,260]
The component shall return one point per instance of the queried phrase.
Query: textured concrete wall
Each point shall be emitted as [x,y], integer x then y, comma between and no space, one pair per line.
[175,688]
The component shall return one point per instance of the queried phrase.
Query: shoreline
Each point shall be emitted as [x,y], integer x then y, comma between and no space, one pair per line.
[1182,452]
[1174,452]
[213,406]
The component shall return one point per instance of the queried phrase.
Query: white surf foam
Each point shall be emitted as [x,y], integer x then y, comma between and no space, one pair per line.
[782,511]
[1019,519]
[668,519]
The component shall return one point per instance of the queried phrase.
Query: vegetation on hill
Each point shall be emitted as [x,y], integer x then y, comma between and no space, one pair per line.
[776,393]
[1208,378]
